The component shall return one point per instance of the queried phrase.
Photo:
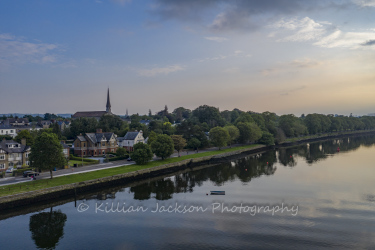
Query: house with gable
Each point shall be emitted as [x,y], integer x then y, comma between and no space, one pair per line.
[95,144]
[13,154]
[130,139]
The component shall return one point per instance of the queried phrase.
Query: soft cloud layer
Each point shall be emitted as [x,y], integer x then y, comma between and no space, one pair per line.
[160,71]
[365,3]
[323,34]
[15,50]
[216,38]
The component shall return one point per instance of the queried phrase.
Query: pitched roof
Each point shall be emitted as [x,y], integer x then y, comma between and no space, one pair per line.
[131,135]
[98,137]
[16,120]
[81,138]
[89,114]
[19,149]
[64,145]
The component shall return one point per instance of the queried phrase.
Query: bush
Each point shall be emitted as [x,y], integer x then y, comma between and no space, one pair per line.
[72,157]
[142,153]
[118,158]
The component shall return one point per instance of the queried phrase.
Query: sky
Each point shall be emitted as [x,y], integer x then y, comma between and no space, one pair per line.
[283,56]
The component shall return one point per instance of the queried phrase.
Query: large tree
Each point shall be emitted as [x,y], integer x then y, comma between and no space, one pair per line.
[142,153]
[219,137]
[234,133]
[179,142]
[25,134]
[162,146]
[47,152]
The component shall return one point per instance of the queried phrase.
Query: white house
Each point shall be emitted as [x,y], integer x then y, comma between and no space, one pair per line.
[130,139]
[8,130]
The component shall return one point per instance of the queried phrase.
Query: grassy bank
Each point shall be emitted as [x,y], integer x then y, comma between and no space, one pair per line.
[294,139]
[58,181]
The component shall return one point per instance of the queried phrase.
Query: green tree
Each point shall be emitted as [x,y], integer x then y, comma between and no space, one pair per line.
[25,134]
[47,153]
[152,137]
[234,133]
[56,129]
[163,146]
[194,143]
[267,139]
[219,137]
[121,152]
[179,142]
[142,153]
[6,137]
[249,131]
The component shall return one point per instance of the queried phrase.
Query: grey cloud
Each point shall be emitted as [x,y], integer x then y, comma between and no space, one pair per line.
[237,15]
[368,43]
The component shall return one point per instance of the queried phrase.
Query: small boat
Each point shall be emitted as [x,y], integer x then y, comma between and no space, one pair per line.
[217,192]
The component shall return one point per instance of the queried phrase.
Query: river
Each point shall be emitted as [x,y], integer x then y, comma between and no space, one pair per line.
[313,196]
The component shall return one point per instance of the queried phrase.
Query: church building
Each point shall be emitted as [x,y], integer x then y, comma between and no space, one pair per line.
[95,114]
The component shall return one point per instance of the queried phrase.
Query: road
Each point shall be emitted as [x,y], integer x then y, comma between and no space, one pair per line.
[9,179]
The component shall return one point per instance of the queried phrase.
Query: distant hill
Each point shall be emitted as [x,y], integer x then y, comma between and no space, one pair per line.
[41,115]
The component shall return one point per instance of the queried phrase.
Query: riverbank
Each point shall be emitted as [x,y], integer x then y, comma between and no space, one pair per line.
[42,190]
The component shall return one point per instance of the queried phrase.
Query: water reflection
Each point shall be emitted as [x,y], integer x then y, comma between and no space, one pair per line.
[244,169]
[47,228]
[317,151]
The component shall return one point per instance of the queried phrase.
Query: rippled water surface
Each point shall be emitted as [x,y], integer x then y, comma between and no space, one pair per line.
[310,196]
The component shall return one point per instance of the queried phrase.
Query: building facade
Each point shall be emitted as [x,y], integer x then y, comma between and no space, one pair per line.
[95,144]
[94,114]
[130,139]
[13,154]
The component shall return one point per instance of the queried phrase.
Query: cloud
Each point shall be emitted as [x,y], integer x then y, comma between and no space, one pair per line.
[159,71]
[368,43]
[239,15]
[305,63]
[290,91]
[14,50]
[232,70]
[322,34]
[121,2]
[216,39]
[365,3]
[237,53]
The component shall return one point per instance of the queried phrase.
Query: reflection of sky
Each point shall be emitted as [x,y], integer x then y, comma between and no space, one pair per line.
[333,195]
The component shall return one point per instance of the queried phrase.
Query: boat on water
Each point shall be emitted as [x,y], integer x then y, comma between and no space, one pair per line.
[217,192]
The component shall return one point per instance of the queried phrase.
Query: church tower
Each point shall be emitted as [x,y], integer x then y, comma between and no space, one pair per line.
[108,107]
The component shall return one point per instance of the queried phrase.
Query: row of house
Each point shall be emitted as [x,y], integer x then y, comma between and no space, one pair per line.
[16,155]
[99,143]
[12,126]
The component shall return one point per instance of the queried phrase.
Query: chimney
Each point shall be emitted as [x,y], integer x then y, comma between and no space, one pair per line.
[23,141]
[99,130]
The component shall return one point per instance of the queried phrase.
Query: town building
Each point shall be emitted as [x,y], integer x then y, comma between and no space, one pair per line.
[130,139]
[95,114]
[13,154]
[12,126]
[95,144]
[65,149]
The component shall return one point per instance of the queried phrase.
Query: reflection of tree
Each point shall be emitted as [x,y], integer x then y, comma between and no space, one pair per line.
[244,169]
[47,228]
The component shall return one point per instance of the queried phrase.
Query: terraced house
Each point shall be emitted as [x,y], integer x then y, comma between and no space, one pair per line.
[95,144]
[13,154]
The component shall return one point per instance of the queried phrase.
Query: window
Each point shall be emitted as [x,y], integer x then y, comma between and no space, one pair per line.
[84,144]
[84,153]
[11,164]
[103,144]
[2,157]
[27,163]
[11,131]
[103,152]
[2,166]
[27,155]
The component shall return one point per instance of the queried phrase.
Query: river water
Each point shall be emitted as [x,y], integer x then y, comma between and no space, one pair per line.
[312,196]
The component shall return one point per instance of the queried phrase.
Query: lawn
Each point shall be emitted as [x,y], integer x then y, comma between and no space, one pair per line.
[58,181]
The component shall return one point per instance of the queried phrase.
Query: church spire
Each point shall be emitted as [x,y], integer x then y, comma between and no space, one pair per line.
[108,107]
